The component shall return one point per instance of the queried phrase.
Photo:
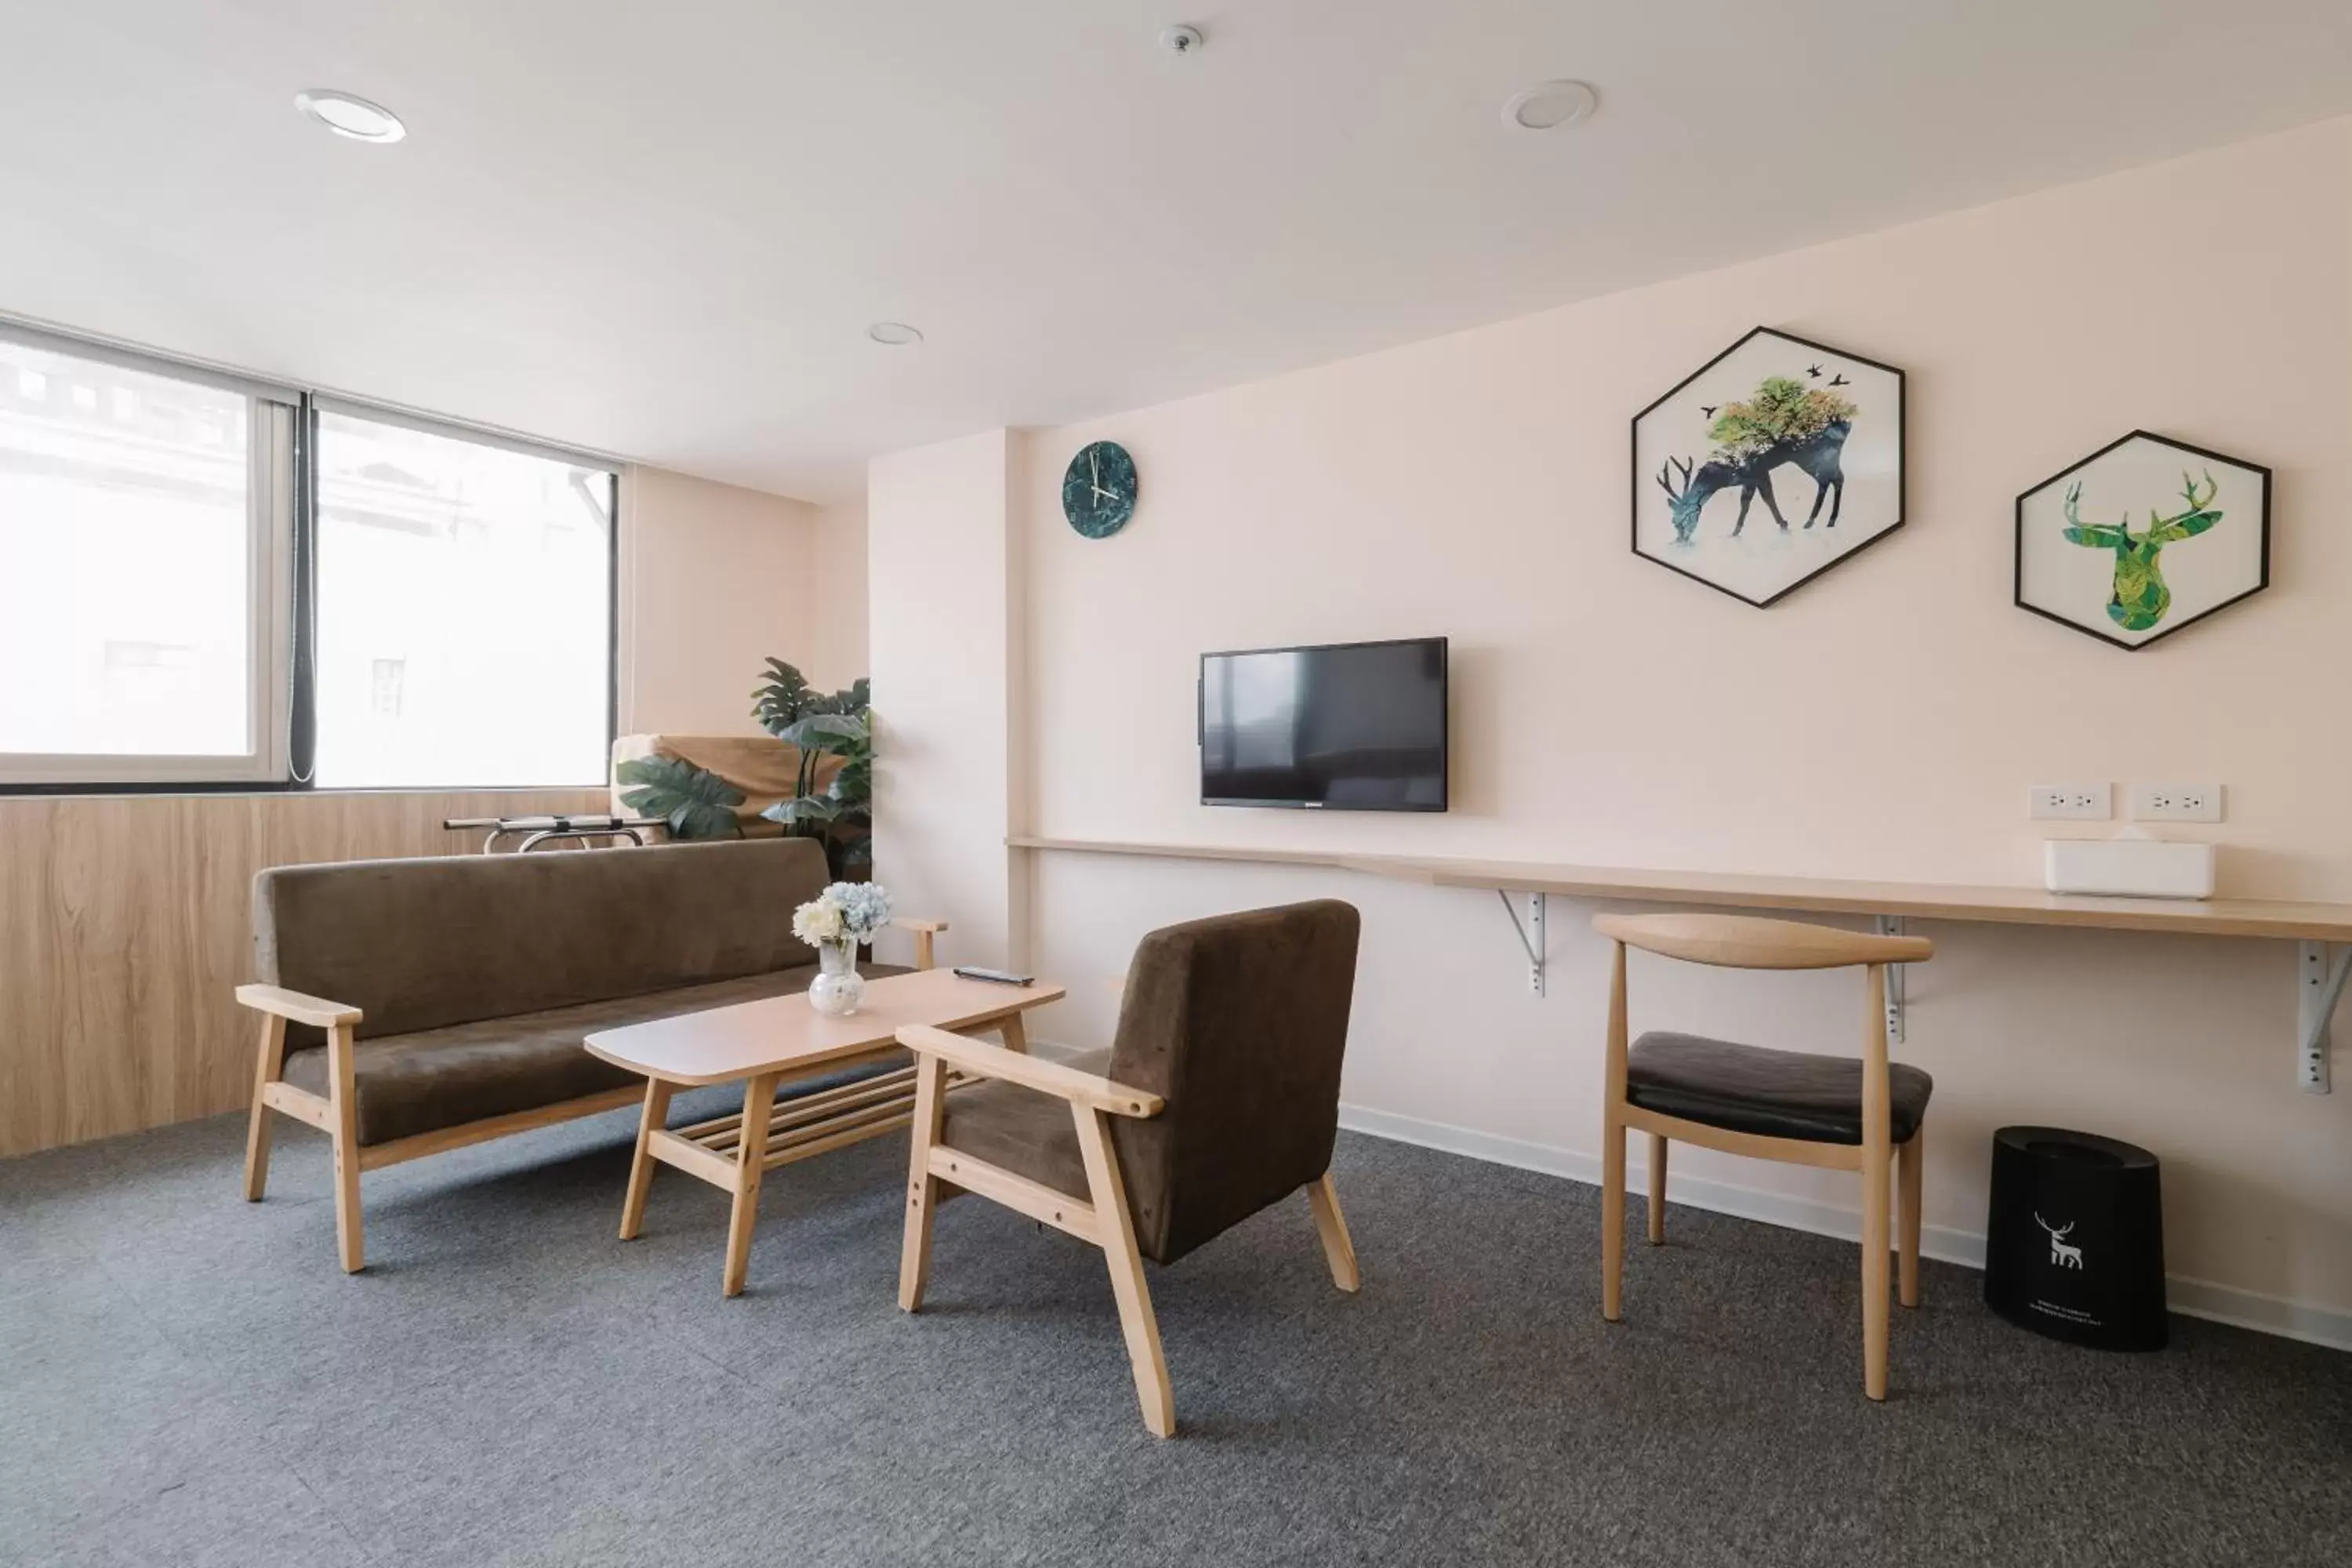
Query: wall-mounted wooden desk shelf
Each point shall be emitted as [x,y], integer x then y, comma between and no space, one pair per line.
[2324,930]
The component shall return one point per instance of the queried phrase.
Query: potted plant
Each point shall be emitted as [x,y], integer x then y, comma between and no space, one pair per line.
[697,804]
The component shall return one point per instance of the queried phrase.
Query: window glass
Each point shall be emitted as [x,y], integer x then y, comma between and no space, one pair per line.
[128,564]
[463,618]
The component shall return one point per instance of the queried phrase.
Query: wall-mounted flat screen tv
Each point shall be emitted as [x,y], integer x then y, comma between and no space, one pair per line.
[1343,727]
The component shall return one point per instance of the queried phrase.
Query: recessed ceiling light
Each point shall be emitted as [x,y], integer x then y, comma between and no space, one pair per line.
[348,116]
[896,335]
[1548,105]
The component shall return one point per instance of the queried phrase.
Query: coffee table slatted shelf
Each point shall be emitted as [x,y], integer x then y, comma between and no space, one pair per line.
[802,1128]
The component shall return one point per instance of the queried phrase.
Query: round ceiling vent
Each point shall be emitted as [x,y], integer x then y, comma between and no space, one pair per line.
[347,115]
[1548,105]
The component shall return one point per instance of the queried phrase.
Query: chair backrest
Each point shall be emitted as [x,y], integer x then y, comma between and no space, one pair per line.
[423,943]
[1239,1022]
[1750,942]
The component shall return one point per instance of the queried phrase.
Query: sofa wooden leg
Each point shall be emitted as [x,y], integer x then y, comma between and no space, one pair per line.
[1339,1251]
[655,1117]
[257,1130]
[751,1163]
[922,1187]
[1108,1190]
[343,1105]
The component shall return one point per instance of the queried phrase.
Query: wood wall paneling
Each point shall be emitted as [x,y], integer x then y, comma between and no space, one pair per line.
[125,921]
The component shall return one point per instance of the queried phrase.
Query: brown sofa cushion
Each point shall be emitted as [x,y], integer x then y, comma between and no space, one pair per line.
[432,1079]
[421,944]
[1239,1022]
[1029,1133]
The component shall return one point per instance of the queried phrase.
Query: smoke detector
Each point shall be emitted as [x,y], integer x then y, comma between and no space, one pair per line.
[1183,39]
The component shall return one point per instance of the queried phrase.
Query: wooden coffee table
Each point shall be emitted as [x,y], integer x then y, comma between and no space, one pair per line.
[781,1040]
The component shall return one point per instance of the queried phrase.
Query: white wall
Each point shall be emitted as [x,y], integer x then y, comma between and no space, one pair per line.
[1881,722]
[949,736]
[714,579]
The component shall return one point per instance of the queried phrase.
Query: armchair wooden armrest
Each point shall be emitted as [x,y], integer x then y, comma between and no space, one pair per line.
[924,932]
[294,1005]
[1030,1072]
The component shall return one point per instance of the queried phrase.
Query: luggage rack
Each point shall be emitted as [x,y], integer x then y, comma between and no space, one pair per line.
[538,830]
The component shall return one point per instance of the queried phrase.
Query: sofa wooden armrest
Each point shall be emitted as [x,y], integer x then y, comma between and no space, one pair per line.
[924,932]
[985,1060]
[296,1007]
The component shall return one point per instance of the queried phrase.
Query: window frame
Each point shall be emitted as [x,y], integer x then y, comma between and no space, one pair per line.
[282,430]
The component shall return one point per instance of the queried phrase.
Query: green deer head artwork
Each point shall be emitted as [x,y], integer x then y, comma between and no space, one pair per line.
[2140,597]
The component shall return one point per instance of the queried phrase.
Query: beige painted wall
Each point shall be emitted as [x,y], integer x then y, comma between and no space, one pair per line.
[714,579]
[1884,722]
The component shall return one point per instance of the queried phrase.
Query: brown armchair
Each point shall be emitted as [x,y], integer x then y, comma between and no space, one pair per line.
[1219,1096]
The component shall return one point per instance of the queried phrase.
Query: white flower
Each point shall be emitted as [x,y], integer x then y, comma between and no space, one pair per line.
[818,921]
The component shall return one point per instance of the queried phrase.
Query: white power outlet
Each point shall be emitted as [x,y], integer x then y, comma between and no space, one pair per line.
[2175,802]
[2070,803]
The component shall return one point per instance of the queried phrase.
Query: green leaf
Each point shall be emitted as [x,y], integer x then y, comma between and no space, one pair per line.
[823,732]
[808,808]
[694,802]
[783,697]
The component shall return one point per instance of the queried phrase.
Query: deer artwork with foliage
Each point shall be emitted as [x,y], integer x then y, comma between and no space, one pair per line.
[1786,422]
[2140,597]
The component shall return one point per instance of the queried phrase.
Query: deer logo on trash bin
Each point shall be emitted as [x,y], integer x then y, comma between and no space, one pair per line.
[2061,1255]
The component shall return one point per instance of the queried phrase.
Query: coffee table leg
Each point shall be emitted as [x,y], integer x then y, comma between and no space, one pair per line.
[641,1170]
[1013,1033]
[750,1161]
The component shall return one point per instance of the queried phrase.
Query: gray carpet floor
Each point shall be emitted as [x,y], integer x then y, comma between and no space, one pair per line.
[188,1379]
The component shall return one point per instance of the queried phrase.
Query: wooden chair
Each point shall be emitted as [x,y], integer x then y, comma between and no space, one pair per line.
[1834,1111]
[1219,1096]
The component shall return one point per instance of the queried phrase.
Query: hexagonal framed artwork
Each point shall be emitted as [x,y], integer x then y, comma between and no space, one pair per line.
[2206,544]
[1812,432]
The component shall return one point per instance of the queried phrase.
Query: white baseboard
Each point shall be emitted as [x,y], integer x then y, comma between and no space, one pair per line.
[2292,1319]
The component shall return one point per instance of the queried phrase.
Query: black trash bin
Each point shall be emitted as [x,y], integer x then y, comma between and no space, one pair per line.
[2074,1242]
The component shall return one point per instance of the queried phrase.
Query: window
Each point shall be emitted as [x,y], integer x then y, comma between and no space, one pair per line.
[464,611]
[163,538]
[142,539]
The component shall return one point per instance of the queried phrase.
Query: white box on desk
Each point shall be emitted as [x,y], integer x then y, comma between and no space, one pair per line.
[2127,867]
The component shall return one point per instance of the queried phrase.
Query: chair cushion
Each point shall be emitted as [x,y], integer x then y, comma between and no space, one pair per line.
[432,1079]
[1774,1094]
[1028,1133]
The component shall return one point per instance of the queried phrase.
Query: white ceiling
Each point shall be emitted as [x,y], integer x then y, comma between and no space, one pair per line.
[660,229]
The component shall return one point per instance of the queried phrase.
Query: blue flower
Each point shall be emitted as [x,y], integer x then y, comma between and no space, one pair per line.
[865,907]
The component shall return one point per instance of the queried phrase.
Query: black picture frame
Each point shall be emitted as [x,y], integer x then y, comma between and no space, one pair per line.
[1902,463]
[2016,546]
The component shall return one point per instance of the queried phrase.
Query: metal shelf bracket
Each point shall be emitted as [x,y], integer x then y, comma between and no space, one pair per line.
[1531,935]
[1892,925]
[2321,968]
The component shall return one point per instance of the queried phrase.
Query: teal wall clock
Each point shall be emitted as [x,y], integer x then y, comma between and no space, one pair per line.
[1098,490]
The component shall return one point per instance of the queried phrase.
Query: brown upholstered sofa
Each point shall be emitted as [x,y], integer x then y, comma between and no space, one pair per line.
[410,1006]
